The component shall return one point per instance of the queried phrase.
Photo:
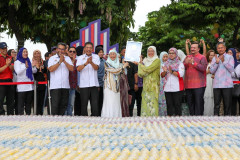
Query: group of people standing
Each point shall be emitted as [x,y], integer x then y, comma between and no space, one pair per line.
[206,80]
[112,85]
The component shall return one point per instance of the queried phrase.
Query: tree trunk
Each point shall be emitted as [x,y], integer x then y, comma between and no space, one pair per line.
[14,27]
[235,34]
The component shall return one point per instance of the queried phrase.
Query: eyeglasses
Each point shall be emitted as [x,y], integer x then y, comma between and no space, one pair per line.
[171,53]
[72,51]
[61,49]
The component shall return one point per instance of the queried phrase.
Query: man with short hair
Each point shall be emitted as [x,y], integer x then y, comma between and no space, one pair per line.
[6,75]
[123,52]
[59,67]
[87,65]
[222,66]
[101,72]
[195,79]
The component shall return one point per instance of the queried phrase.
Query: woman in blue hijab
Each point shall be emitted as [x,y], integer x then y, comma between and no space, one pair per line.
[24,73]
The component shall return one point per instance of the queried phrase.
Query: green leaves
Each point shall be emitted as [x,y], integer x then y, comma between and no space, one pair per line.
[60,20]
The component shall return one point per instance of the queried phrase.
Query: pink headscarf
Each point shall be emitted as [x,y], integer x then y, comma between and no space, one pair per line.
[174,63]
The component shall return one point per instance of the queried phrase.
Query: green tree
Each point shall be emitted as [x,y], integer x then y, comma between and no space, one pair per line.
[51,21]
[190,19]
[201,14]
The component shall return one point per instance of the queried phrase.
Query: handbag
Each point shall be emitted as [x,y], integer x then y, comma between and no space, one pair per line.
[236,90]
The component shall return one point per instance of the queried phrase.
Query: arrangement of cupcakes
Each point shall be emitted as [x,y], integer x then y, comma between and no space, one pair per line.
[137,138]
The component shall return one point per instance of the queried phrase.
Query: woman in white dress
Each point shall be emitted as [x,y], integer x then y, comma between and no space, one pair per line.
[208,95]
[111,102]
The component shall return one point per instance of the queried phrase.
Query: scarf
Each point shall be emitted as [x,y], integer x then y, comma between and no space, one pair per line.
[181,55]
[161,57]
[174,63]
[149,60]
[23,60]
[236,63]
[114,63]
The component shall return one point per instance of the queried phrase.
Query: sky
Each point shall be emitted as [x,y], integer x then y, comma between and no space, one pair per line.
[140,16]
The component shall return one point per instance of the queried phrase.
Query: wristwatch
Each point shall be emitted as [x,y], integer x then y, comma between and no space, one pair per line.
[59,62]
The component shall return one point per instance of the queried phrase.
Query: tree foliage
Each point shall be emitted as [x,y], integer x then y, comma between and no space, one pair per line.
[51,21]
[191,19]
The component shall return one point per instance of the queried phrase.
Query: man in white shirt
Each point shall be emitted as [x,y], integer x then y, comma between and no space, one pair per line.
[59,67]
[87,65]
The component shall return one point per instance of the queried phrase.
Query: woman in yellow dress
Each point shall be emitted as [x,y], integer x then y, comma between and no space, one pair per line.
[149,70]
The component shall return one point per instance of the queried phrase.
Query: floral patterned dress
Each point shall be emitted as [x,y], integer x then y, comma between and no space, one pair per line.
[162,109]
[150,93]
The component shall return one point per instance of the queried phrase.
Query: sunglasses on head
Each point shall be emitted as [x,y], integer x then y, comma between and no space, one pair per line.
[72,51]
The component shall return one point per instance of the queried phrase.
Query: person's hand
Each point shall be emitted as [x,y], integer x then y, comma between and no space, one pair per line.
[188,41]
[217,59]
[221,58]
[126,64]
[141,59]
[135,87]
[62,58]
[26,64]
[213,76]
[164,69]
[188,60]
[136,63]
[202,41]
[170,69]
[90,59]
[8,61]
[192,60]
[208,71]
[220,40]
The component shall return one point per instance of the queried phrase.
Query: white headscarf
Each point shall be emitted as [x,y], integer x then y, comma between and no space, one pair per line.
[115,63]
[181,55]
[149,60]
[161,56]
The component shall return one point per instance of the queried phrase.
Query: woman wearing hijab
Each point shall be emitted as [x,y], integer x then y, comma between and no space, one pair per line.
[150,72]
[173,71]
[24,70]
[111,101]
[162,100]
[235,77]
[39,76]
[181,55]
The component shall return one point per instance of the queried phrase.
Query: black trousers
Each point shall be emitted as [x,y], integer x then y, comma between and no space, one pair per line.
[92,94]
[59,101]
[138,98]
[100,100]
[40,101]
[15,100]
[131,106]
[25,99]
[174,103]
[195,100]
[234,105]
[77,103]
[226,95]
[8,92]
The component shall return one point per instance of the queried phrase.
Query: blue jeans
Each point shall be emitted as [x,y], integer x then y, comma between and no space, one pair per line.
[71,100]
